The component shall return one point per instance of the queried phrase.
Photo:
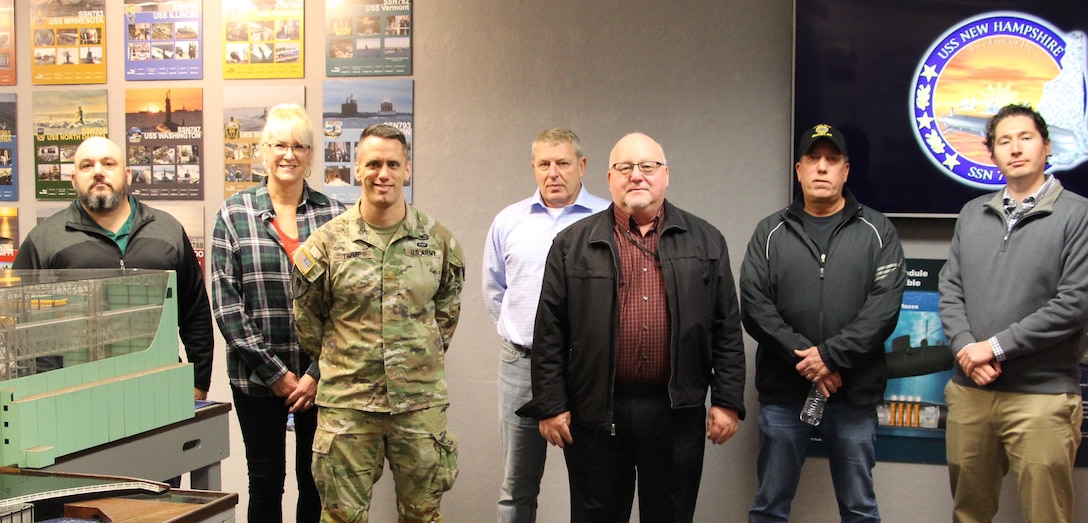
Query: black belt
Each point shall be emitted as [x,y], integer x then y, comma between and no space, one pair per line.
[522,349]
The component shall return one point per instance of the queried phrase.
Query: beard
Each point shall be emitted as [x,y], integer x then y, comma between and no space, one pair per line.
[102,203]
[639,200]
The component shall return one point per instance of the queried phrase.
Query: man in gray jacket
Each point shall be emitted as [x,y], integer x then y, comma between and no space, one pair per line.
[1014,303]
[821,286]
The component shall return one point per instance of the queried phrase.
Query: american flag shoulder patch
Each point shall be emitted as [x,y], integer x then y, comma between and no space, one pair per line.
[303,260]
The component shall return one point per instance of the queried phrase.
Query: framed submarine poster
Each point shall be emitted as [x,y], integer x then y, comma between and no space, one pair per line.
[911,419]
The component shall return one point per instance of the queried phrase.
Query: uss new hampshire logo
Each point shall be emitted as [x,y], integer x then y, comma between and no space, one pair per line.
[984,63]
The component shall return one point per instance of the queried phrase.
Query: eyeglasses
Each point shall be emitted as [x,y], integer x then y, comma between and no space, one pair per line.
[282,148]
[627,168]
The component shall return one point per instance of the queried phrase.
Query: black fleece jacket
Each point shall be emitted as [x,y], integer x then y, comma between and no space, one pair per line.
[845,302]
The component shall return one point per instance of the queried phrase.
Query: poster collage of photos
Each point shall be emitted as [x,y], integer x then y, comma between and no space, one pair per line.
[164,142]
[244,109]
[371,39]
[162,41]
[62,120]
[9,148]
[347,108]
[7,42]
[163,132]
[264,44]
[67,42]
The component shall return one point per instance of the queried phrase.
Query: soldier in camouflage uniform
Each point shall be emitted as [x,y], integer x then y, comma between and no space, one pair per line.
[377,298]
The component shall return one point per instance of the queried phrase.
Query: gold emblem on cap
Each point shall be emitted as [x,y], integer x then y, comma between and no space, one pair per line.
[821,130]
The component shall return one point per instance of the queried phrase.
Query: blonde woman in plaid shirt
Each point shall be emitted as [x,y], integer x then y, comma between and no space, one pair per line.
[255,232]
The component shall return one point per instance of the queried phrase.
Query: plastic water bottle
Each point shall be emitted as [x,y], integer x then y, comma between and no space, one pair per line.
[813,410]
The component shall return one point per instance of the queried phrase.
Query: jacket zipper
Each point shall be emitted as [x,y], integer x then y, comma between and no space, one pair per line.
[820,314]
[612,357]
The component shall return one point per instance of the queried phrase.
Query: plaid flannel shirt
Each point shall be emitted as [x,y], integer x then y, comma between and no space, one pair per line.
[251,287]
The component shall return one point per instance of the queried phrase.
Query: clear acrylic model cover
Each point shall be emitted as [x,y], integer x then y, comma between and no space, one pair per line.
[52,319]
[87,356]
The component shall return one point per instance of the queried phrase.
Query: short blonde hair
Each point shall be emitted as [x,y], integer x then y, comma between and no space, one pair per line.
[290,119]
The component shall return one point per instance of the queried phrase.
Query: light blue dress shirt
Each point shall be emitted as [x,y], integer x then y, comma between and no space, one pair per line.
[514,254]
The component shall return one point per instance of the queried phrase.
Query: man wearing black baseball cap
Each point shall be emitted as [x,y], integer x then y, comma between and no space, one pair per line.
[821,285]
[821,132]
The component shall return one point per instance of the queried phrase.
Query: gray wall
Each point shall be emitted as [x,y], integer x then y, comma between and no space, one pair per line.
[709,79]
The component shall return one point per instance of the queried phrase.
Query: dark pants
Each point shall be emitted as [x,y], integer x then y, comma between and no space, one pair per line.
[659,448]
[264,431]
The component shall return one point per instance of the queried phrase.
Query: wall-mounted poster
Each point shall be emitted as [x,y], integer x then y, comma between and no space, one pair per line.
[349,106]
[67,42]
[191,218]
[43,210]
[7,42]
[163,40]
[9,149]
[912,417]
[244,110]
[9,236]
[911,85]
[164,142]
[62,120]
[368,37]
[262,39]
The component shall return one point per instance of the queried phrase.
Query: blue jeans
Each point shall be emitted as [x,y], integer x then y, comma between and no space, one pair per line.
[523,448]
[849,435]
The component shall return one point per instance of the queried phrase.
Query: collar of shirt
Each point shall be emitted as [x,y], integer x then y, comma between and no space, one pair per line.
[624,222]
[121,237]
[514,257]
[1014,211]
[536,203]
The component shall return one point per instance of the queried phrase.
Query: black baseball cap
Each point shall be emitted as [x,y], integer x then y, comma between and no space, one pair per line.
[820,131]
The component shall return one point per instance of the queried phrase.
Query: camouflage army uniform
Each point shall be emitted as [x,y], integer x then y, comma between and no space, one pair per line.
[378,322]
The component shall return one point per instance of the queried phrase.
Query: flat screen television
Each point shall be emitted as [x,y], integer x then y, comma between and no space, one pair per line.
[910,84]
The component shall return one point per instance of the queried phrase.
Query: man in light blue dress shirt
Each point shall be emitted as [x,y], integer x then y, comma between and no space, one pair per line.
[514,254]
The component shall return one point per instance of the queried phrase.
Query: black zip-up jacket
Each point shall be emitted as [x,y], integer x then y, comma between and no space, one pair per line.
[574,341]
[70,239]
[845,302]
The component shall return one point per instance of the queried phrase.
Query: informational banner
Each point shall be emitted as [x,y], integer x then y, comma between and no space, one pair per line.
[263,39]
[9,149]
[368,38]
[165,142]
[67,40]
[163,40]
[244,111]
[7,42]
[62,120]
[349,106]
